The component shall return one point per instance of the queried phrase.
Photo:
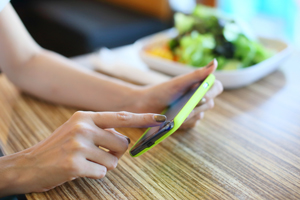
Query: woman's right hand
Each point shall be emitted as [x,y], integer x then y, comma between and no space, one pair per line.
[72,151]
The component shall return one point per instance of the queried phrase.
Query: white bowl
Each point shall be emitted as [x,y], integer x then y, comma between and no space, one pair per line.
[230,79]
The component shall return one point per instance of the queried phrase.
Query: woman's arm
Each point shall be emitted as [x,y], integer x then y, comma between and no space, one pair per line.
[53,77]
[72,151]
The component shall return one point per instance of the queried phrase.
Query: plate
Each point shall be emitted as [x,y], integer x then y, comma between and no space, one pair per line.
[230,79]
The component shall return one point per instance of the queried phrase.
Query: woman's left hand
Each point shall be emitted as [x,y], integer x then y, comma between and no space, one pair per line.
[156,98]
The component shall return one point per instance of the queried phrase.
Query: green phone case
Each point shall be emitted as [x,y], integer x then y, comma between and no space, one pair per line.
[183,113]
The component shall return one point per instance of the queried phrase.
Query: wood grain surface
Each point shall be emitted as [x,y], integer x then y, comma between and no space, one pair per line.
[247,147]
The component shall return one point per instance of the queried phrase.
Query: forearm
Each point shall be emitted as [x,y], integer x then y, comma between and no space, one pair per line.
[57,79]
[10,175]
[54,78]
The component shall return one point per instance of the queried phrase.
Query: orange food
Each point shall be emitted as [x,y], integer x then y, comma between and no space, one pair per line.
[162,51]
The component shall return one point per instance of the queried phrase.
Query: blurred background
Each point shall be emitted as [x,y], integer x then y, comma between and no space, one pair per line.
[74,27]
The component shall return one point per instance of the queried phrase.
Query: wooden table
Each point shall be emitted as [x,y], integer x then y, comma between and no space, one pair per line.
[247,147]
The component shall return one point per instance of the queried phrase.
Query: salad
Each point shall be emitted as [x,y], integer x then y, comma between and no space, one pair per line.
[206,34]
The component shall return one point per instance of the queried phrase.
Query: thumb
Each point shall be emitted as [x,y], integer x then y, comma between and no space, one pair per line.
[126,119]
[183,82]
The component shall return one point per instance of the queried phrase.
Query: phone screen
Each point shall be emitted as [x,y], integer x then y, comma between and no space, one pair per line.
[171,113]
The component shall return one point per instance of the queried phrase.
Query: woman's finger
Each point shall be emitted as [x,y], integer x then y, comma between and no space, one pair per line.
[126,119]
[101,157]
[201,102]
[214,91]
[191,115]
[112,130]
[184,82]
[193,121]
[117,144]
[92,170]
[189,124]
[207,106]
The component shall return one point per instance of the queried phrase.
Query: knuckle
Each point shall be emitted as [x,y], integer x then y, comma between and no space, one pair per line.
[201,115]
[71,166]
[123,144]
[124,116]
[100,115]
[82,128]
[78,127]
[198,117]
[219,86]
[113,164]
[101,173]
[78,114]
[211,104]
[73,145]
[78,146]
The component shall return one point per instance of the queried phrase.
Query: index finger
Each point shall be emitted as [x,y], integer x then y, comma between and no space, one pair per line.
[126,119]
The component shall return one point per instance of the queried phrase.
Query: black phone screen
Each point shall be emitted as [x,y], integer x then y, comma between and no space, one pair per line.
[171,113]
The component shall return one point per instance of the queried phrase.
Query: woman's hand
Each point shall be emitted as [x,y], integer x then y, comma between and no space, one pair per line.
[72,151]
[157,98]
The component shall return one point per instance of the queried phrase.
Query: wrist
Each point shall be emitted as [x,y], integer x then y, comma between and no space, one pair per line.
[139,100]
[9,175]
[12,173]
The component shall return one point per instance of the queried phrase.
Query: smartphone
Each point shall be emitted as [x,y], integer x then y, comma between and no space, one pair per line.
[176,113]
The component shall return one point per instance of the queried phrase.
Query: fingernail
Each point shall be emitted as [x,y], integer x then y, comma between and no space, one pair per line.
[128,139]
[211,63]
[160,118]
